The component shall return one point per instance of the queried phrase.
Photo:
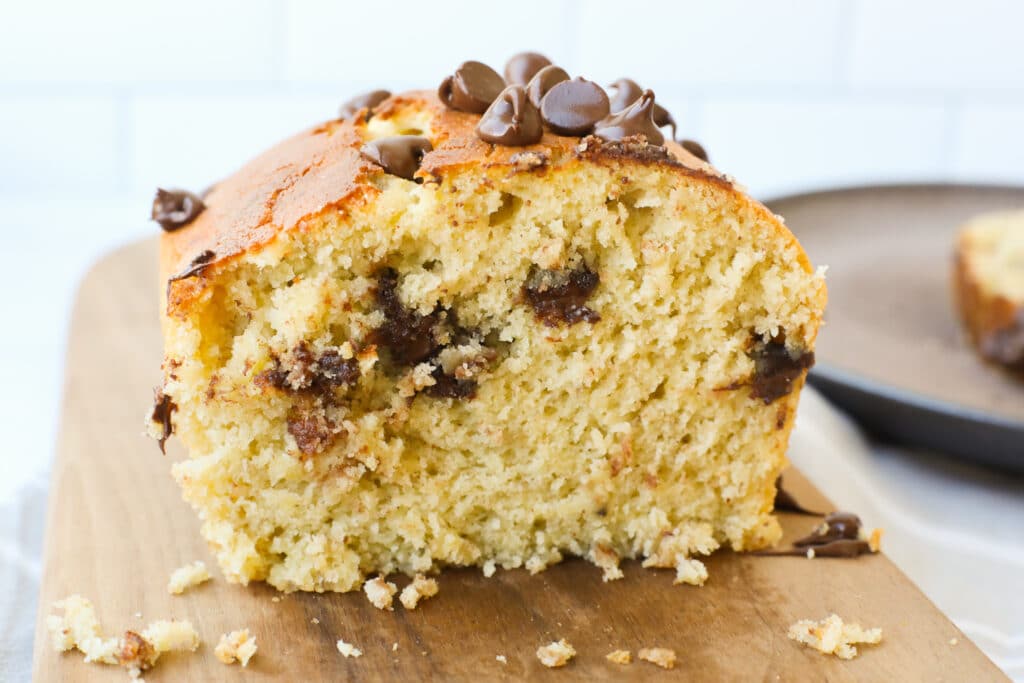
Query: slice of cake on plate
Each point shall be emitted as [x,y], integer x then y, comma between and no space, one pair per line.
[492,325]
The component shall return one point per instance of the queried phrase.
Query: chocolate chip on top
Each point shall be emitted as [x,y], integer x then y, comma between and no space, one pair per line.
[398,155]
[471,88]
[636,119]
[522,67]
[367,100]
[694,148]
[511,120]
[544,80]
[628,91]
[573,107]
[174,209]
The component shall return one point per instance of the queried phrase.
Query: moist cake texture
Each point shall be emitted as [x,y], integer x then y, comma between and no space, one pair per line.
[576,346]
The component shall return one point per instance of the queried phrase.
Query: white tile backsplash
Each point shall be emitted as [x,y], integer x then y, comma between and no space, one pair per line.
[113,97]
[817,142]
[945,45]
[729,43]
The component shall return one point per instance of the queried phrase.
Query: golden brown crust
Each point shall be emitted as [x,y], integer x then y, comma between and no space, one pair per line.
[988,316]
[321,168]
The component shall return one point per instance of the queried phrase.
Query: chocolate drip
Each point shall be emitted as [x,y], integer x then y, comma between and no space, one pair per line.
[695,148]
[511,120]
[628,91]
[163,408]
[784,501]
[838,536]
[636,119]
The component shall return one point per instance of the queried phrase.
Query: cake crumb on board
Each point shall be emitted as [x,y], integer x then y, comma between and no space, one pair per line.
[501,658]
[831,636]
[237,646]
[189,576]
[619,657]
[421,588]
[661,656]
[78,628]
[556,653]
[381,593]
[348,649]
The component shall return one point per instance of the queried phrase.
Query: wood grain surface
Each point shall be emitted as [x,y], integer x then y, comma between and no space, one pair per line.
[117,527]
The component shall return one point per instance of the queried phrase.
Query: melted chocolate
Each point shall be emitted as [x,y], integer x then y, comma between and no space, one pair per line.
[195,267]
[784,501]
[695,148]
[398,155]
[163,408]
[174,209]
[367,100]
[837,536]
[471,88]
[411,338]
[775,369]
[522,67]
[628,91]
[573,107]
[543,81]
[312,431]
[511,120]
[308,373]
[558,297]
[407,335]
[636,119]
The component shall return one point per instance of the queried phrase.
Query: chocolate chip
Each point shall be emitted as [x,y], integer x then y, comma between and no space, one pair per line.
[544,80]
[174,209]
[558,296]
[447,386]
[627,91]
[787,502]
[398,155]
[367,100]
[312,430]
[573,107]
[775,368]
[636,119]
[694,148]
[511,120]
[838,536]
[522,67]
[472,88]
[407,335]
[196,266]
[163,408]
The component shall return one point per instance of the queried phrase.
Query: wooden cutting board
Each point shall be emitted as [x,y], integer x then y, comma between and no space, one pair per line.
[117,527]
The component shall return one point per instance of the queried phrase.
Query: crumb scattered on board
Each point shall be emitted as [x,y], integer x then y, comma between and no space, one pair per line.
[78,628]
[314,620]
[186,577]
[380,592]
[691,571]
[348,649]
[237,646]
[421,588]
[831,636]
[662,656]
[556,654]
[619,657]
[501,658]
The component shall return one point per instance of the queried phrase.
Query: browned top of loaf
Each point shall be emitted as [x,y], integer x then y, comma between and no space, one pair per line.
[321,168]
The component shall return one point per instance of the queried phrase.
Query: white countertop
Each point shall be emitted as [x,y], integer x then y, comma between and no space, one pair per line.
[956,530]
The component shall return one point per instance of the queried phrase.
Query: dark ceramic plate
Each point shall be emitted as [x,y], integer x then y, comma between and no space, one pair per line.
[892,351]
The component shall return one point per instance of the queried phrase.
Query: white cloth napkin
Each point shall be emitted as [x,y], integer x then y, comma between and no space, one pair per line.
[957,531]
